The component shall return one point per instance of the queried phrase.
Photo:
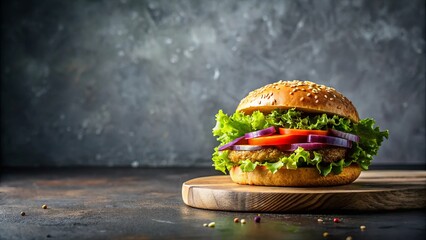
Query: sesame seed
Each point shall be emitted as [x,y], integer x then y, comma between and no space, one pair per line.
[291,93]
[316,101]
[309,94]
[362,227]
[325,96]
[301,99]
[331,99]
[325,234]
[316,97]
[303,89]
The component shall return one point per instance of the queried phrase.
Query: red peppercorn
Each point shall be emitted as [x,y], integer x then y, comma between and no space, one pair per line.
[336,220]
[257,219]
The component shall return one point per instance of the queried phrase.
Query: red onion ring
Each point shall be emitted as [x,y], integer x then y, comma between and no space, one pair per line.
[230,144]
[348,136]
[335,141]
[247,147]
[264,132]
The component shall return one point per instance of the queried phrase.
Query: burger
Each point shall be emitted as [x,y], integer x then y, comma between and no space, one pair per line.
[295,133]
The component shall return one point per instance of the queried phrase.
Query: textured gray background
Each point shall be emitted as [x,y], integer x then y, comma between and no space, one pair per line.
[120,83]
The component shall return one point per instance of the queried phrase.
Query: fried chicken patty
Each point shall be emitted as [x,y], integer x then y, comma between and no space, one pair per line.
[330,154]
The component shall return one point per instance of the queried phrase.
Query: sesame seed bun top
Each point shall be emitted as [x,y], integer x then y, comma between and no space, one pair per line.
[303,95]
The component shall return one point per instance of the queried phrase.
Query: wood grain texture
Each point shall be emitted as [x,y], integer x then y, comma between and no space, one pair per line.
[373,190]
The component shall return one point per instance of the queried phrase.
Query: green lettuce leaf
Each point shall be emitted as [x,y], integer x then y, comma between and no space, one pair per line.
[248,166]
[221,161]
[335,167]
[370,140]
[273,167]
[228,128]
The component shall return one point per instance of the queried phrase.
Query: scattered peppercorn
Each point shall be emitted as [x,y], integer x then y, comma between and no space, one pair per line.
[236,220]
[243,221]
[362,227]
[44,206]
[212,224]
[325,234]
[320,220]
[22,213]
[48,236]
[336,220]
[257,219]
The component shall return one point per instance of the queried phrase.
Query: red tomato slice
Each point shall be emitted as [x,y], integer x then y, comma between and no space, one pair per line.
[277,140]
[288,131]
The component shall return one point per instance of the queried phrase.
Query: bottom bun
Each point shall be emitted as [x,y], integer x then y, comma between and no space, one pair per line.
[301,177]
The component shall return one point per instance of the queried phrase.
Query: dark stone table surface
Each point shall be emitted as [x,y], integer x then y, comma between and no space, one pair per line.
[120,203]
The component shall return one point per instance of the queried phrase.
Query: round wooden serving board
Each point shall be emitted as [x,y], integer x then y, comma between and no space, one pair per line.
[373,190]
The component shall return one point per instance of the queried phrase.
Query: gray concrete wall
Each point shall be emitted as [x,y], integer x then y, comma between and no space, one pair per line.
[111,83]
